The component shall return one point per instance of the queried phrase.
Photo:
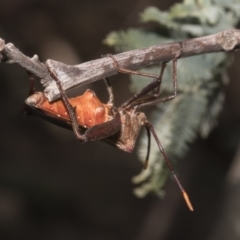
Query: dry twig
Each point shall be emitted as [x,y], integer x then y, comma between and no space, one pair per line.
[71,76]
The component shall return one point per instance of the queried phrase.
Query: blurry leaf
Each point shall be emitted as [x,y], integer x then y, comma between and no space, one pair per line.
[133,39]
[200,81]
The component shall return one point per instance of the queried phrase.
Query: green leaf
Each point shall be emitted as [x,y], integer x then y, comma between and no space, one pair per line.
[200,81]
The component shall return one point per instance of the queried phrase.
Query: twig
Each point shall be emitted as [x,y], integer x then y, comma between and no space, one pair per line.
[88,72]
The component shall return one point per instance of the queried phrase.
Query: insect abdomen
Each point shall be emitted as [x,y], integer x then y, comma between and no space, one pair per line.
[89,110]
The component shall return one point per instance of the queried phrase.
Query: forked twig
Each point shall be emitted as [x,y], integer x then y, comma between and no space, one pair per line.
[71,76]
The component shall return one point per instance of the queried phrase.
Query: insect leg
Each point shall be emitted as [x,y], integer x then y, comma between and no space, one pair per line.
[94,133]
[148,148]
[150,87]
[129,71]
[155,99]
[109,90]
[70,109]
[151,129]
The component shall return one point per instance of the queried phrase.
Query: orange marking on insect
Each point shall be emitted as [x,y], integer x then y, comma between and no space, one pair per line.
[88,106]
[187,200]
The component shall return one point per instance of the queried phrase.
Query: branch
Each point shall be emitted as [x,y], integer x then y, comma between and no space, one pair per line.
[88,72]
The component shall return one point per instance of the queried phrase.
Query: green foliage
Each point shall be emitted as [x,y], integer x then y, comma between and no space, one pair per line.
[200,80]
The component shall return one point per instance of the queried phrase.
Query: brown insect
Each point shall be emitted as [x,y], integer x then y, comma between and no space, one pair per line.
[92,120]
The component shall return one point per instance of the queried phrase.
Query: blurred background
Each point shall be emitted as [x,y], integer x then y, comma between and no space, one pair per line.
[53,187]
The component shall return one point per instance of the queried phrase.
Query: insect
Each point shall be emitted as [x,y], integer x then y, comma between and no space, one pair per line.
[92,120]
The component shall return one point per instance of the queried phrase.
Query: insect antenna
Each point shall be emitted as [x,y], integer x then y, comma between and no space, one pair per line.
[150,128]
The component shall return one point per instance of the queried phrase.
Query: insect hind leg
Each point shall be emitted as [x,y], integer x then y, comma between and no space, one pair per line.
[150,128]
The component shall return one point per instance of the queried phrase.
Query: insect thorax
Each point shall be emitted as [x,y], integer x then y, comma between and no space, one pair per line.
[131,124]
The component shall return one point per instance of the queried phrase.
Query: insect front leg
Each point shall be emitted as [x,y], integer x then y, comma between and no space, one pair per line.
[96,132]
[138,99]
[155,99]
[130,71]
[141,95]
